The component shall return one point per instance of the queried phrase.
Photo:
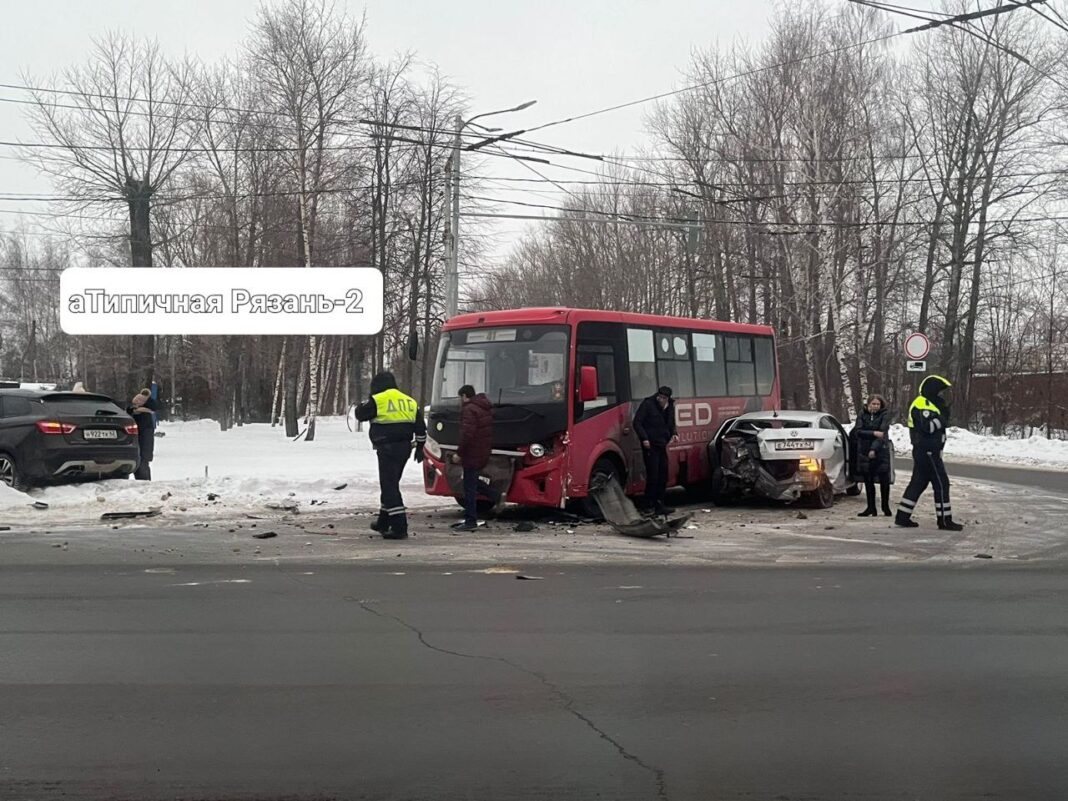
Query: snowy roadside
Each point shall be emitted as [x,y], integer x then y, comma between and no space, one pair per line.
[760,534]
[200,472]
[203,474]
[964,446]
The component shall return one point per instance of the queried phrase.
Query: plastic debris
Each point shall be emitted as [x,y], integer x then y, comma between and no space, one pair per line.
[127,515]
[264,535]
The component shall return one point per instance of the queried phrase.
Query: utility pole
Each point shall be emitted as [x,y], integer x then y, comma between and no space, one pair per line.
[452,189]
[452,240]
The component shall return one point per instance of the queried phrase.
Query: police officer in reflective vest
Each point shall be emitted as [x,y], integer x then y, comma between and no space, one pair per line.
[395,424]
[927,421]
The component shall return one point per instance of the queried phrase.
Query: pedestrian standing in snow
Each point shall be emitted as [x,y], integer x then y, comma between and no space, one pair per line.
[928,420]
[473,453]
[874,452]
[395,425]
[654,423]
[141,409]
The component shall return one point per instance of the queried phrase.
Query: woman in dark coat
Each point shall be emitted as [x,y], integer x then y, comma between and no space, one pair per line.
[874,452]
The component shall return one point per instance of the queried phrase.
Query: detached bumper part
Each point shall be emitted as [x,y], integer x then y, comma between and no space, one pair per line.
[624,517]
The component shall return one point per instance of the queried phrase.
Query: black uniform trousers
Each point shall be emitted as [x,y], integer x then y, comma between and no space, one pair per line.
[656,474]
[927,468]
[392,457]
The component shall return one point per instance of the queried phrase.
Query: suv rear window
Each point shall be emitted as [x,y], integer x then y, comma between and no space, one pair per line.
[15,406]
[81,407]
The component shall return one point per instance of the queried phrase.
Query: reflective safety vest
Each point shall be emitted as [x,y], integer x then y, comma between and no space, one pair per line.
[393,406]
[922,404]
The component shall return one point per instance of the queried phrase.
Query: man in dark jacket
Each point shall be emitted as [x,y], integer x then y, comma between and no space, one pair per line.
[473,452]
[927,422]
[654,423]
[141,409]
[395,424]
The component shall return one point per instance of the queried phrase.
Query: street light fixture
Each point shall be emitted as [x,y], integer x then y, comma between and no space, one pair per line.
[452,241]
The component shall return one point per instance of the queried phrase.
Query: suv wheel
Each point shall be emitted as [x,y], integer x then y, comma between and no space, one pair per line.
[10,474]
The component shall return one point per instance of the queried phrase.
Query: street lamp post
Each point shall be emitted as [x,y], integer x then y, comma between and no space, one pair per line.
[452,238]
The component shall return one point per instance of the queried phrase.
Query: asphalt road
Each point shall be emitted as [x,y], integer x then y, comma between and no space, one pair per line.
[359,682]
[1055,481]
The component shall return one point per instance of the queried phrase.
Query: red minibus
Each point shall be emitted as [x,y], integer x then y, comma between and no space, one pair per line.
[565,384]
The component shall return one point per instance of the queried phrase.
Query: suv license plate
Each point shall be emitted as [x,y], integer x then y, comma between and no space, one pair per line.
[794,444]
[101,433]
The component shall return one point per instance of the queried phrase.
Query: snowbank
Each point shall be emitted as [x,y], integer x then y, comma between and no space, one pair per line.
[963,444]
[247,468]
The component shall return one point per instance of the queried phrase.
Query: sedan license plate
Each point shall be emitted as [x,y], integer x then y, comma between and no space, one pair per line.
[794,444]
[101,433]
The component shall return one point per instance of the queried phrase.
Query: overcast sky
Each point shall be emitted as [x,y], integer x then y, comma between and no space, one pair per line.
[571,56]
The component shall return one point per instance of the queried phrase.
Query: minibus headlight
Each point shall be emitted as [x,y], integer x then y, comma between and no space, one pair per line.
[537,450]
[433,448]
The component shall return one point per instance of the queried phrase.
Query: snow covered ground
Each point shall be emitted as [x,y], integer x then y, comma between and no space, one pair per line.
[247,468]
[251,468]
[963,445]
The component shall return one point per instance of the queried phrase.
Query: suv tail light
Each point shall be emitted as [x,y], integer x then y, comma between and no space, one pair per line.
[55,427]
[131,429]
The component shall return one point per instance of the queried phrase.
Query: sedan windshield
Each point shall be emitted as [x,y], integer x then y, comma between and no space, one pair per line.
[519,366]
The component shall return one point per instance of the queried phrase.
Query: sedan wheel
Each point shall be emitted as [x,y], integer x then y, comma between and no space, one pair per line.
[823,497]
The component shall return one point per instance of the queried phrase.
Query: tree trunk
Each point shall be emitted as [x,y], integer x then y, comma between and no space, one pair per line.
[138,199]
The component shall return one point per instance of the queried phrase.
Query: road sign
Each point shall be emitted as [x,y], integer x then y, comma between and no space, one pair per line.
[917,346]
[916,366]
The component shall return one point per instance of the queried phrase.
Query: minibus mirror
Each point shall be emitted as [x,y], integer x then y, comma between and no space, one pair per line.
[588,384]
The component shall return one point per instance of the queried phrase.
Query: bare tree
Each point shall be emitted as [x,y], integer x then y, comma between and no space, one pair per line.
[128,132]
[311,63]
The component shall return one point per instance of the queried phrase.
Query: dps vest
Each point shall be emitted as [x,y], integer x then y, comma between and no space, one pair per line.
[394,406]
[397,419]
[921,404]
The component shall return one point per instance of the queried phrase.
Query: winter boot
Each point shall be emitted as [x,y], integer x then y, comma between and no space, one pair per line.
[884,494]
[905,520]
[869,491]
[382,523]
[398,528]
[947,524]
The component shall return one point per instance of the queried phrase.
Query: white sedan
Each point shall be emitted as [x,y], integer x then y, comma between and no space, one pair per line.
[785,456]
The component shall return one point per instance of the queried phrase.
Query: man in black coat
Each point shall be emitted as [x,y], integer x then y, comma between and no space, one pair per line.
[654,423]
[141,409]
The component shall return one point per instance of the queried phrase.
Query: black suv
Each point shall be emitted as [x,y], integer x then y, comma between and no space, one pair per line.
[54,437]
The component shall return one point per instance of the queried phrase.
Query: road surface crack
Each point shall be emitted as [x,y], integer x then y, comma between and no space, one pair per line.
[565,700]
